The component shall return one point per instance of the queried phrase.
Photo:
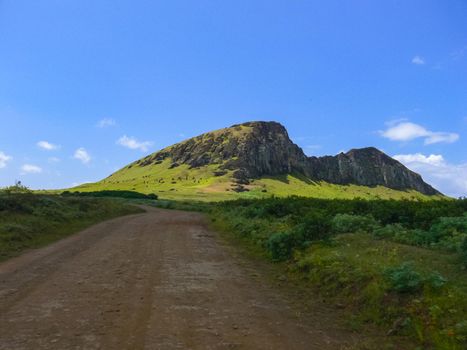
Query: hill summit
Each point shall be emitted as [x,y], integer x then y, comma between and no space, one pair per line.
[259,157]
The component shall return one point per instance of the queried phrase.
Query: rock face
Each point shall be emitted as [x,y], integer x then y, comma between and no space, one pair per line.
[367,167]
[256,149]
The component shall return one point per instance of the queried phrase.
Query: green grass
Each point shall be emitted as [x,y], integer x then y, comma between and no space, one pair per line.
[33,220]
[176,183]
[200,184]
[298,186]
[351,272]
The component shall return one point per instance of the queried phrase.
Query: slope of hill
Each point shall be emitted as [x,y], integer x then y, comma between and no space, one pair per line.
[258,159]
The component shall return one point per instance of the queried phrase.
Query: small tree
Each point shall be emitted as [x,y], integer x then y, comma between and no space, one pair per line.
[18,187]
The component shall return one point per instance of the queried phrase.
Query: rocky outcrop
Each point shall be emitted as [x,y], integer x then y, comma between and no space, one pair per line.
[367,167]
[256,149]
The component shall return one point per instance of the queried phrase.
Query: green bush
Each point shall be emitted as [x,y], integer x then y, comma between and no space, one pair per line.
[388,231]
[112,193]
[313,226]
[16,203]
[253,212]
[463,252]
[280,245]
[346,223]
[404,279]
[435,280]
[448,233]
[276,208]
[14,232]
[446,226]
[413,237]
[451,243]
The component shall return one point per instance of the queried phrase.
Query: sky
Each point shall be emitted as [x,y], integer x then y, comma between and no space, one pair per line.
[88,86]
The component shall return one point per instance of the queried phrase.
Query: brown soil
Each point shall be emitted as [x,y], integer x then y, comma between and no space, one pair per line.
[158,280]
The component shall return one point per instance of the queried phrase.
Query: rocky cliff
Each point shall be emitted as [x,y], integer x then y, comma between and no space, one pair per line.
[256,149]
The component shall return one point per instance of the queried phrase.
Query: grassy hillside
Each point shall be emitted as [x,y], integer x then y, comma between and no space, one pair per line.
[237,162]
[30,220]
[202,184]
[397,265]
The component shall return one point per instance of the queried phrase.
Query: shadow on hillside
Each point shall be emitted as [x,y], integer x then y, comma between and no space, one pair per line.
[284,178]
[111,193]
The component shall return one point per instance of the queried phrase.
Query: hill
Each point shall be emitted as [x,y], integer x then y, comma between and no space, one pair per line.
[258,159]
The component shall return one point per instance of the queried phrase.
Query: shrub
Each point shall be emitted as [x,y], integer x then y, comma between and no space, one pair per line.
[112,193]
[18,187]
[404,279]
[276,208]
[18,203]
[413,237]
[463,251]
[388,231]
[252,212]
[280,245]
[15,232]
[314,226]
[346,223]
[446,226]
[435,280]
[447,233]
[451,243]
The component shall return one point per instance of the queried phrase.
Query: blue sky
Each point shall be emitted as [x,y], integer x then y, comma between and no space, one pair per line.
[88,86]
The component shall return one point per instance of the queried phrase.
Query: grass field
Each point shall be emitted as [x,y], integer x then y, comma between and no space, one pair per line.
[30,220]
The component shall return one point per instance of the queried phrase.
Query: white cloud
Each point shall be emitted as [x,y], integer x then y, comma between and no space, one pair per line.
[30,169]
[418,60]
[404,131]
[82,155]
[407,131]
[106,122]
[47,145]
[437,137]
[132,143]
[432,159]
[4,159]
[450,179]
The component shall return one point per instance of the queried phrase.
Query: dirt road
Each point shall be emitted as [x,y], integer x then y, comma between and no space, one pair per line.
[158,280]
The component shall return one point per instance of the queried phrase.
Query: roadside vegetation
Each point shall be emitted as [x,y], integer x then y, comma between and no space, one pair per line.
[398,265]
[112,194]
[29,220]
